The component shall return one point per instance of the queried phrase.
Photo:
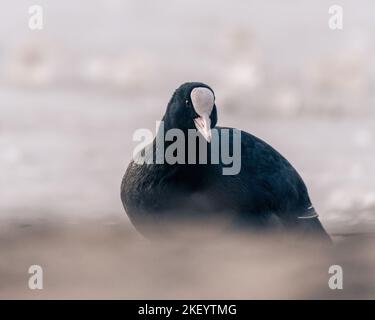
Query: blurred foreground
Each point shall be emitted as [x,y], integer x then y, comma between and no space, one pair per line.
[106,259]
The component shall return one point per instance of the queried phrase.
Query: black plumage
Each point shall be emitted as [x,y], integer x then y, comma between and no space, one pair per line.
[267,188]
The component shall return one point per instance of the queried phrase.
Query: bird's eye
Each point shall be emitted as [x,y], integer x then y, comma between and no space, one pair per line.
[187,102]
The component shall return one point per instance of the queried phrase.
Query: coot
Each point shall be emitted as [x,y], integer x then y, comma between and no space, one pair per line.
[169,185]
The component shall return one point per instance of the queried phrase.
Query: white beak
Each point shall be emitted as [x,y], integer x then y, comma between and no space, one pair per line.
[203,124]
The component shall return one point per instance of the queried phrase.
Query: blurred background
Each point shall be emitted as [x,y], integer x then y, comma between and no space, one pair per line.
[72,94]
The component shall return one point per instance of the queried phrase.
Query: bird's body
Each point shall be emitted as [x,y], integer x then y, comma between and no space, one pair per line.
[266,187]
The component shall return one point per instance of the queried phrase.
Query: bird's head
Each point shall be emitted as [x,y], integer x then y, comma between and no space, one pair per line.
[192,106]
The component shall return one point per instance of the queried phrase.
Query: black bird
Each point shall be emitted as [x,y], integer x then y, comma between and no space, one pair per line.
[266,189]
